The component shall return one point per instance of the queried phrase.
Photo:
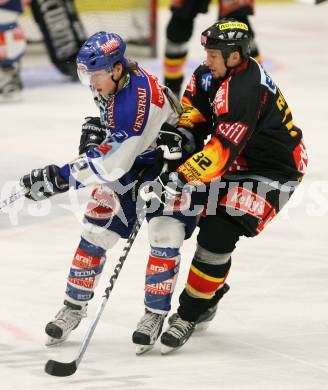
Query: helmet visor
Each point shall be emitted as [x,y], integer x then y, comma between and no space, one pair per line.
[88,78]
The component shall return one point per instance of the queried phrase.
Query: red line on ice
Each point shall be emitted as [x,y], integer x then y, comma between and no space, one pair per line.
[16,332]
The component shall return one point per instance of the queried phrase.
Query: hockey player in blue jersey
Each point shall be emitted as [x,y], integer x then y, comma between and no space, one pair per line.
[117,150]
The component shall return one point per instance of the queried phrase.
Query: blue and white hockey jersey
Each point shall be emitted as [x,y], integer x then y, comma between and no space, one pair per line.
[133,118]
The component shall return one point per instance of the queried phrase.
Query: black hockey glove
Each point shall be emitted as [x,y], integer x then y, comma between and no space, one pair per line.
[170,140]
[43,183]
[93,134]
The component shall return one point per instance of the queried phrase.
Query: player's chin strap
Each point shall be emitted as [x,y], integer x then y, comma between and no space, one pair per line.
[226,55]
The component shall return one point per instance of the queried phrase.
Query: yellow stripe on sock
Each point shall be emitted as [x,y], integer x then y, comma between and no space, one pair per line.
[204,276]
[197,293]
[174,61]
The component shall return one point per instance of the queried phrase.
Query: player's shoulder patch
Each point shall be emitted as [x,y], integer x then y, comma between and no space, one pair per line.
[206,81]
[221,100]
[157,93]
[266,80]
[203,77]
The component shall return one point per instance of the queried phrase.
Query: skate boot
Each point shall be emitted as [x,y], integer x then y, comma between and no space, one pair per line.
[177,334]
[66,320]
[148,330]
[10,84]
[204,320]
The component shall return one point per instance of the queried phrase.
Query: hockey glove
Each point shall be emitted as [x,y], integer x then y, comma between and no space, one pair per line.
[43,183]
[93,134]
[170,140]
[166,189]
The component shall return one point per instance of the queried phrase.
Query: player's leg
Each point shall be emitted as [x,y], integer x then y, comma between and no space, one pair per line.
[241,10]
[62,30]
[166,236]
[12,48]
[178,33]
[205,285]
[244,207]
[102,230]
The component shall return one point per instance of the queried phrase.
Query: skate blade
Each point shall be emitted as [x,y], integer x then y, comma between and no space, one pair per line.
[12,98]
[141,349]
[202,326]
[51,341]
[165,349]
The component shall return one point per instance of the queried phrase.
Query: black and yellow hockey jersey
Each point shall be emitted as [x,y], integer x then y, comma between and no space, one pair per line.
[250,126]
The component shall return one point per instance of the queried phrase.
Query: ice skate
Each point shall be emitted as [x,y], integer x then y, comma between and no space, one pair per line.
[176,335]
[10,84]
[148,330]
[204,320]
[66,320]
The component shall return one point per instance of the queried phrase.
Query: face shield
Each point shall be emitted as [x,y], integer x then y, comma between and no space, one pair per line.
[89,78]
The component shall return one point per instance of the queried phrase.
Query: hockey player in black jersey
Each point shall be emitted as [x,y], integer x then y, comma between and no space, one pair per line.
[180,27]
[251,165]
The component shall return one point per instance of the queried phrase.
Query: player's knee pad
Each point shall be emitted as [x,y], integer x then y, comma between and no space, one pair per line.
[87,265]
[166,232]
[161,274]
[12,38]
[99,236]
[202,255]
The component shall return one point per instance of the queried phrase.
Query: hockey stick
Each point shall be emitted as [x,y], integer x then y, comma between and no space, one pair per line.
[56,368]
[12,198]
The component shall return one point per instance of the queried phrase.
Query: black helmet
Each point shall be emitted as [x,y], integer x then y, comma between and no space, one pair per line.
[228,35]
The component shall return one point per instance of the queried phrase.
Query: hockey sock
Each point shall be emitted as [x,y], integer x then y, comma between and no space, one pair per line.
[87,265]
[173,70]
[202,288]
[161,275]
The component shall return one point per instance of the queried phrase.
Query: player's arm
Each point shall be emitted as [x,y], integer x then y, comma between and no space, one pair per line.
[196,118]
[229,136]
[102,164]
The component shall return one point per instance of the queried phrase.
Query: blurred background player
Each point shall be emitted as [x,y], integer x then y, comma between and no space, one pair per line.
[63,36]
[12,48]
[180,28]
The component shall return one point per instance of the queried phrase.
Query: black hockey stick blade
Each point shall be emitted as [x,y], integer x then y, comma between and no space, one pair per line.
[55,368]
